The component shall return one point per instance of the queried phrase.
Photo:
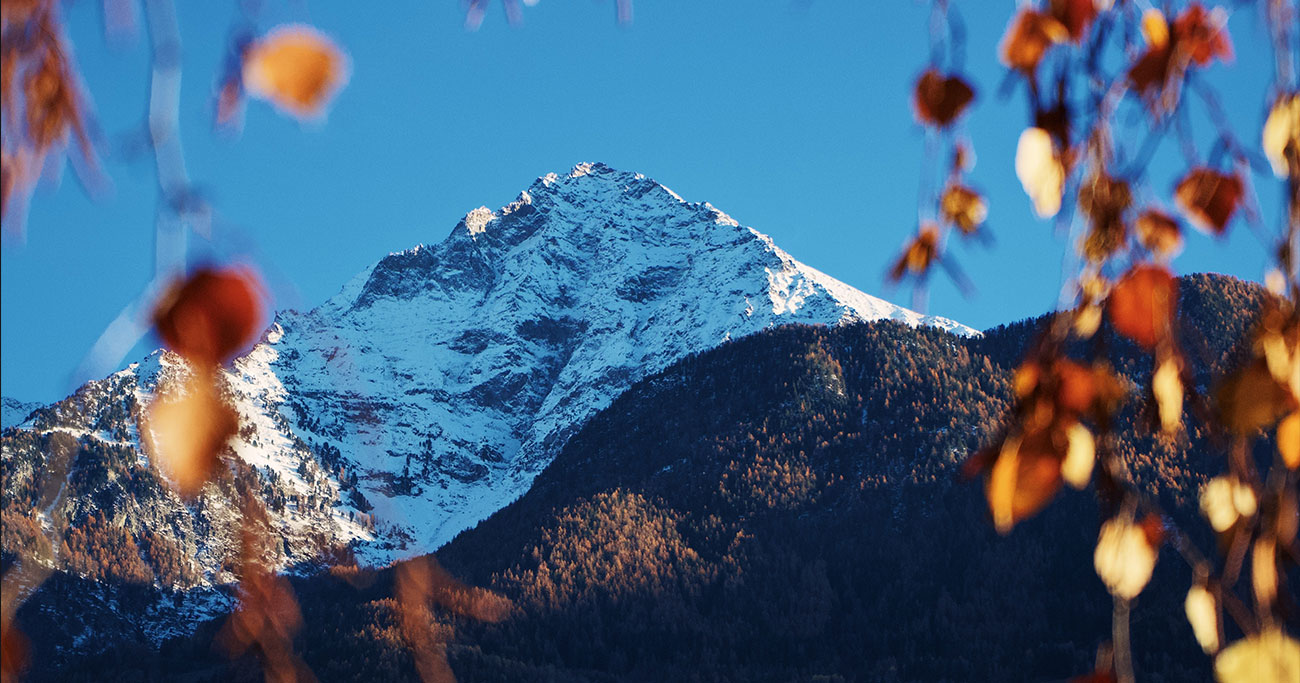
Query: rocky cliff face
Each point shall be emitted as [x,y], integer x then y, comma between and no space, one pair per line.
[431,390]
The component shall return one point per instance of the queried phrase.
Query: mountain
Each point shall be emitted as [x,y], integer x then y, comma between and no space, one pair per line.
[13,411]
[425,395]
[786,507]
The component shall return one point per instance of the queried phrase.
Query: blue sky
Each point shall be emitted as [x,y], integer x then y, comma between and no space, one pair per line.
[793,116]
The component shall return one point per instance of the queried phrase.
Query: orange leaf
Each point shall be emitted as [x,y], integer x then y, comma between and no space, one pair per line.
[1142,304]
[210,316]
[1151,77]
[939,100]
[1075,15]
[919,254]
[1154,529]
[1078,388]
[1202,35]
[1159,233]
[1023,479]
[295,67]
[1209,198]
[1028,38]
[1288,440]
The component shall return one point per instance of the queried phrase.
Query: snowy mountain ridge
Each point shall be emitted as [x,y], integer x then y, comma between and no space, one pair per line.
[431,390]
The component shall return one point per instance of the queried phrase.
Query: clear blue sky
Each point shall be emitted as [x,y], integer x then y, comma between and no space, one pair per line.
[793,116]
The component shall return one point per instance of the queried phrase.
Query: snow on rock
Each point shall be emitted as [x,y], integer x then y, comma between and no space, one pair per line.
[452,376]
[13,412]
[431,390]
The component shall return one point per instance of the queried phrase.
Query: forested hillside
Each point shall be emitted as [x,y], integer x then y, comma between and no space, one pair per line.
[789,507]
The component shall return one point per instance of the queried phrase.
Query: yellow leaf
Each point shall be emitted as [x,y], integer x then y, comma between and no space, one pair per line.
[1076,469]
[1155,28]
[1025,378]
[1216,504]
[1275,282]
[1288,439]
[295,67]
[1002,485]
[1243,499]
[1282,131]
[963,207]
[1124,558]
[1276,356]
[1204,617]
[1159,233]
[1038,165]
[1086,320]
[1268,657]
[1168,389]
[1224,499]
[1263,571]
[187,429]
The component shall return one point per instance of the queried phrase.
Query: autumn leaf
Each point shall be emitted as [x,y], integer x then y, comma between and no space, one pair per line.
[1281,136]
[1263,570]
[1267,657]
[1077,388]
[1104,199]
[1076,468]
[1152,74]
[1209,198]
[1124,558]
[1287,518]
[54,107]
[1159,233]
[211,315]
[1251,399]
[1224,500]
[1288,440]
[1075,15]
[1028,38]
[295,67]
[1040,170]
[1022,480]
[1141,305]
[1087,320]
[1195,37]
[939,100]
[919,254]
[963,207]
[1203,35]
[1155,28]
[1203,615]
[186,429]
[1072,389]
[1167,387]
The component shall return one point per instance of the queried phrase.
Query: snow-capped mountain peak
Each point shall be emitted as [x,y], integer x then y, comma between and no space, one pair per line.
[440,380]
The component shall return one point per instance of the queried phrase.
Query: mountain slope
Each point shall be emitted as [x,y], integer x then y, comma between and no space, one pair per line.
[15,411]
[431,390]
[786,507]
[523,323]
